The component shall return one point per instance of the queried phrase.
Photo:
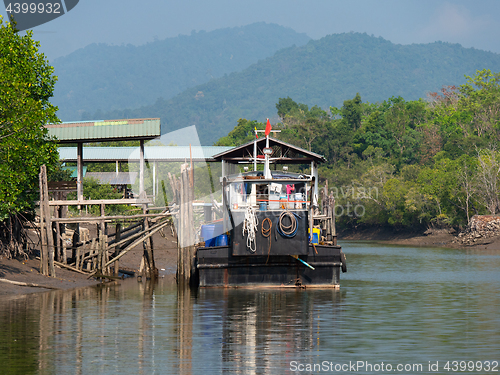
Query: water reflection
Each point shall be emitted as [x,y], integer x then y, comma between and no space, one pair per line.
[259,327]
[395,305]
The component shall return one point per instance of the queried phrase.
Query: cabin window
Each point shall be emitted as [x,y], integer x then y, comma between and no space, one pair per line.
[274,195]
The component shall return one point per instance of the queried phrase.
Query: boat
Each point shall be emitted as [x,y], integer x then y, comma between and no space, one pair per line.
[273,232]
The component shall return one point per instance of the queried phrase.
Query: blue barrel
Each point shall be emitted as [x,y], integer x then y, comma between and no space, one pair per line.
[207,232]
[263,206]
[210,232]
[221,240]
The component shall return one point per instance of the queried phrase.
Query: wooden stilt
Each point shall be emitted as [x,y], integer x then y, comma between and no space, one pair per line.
[57,239]
[117,249]
[50,237]
[79,258]
[185,243]
[44,254]
[150,270]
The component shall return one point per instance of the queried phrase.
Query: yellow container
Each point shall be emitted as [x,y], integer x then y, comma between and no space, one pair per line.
[316,235]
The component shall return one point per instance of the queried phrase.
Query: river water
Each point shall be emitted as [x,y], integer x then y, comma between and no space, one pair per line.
[399,309]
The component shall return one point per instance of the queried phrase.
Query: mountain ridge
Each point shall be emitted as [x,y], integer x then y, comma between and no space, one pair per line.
[323,72]
[106,77]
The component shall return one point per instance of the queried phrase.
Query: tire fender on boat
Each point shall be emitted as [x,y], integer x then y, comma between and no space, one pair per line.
[343,261]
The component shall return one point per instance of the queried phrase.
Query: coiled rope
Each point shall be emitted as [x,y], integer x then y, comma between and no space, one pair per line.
[250,225]
[288,231]
[266,232]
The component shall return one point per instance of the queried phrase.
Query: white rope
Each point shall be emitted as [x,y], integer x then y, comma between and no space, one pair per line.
[250,225]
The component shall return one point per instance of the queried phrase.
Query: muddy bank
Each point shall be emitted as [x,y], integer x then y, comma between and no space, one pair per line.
[430,238]
[27,271]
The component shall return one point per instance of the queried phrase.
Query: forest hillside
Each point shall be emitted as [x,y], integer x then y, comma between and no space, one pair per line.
[323,72]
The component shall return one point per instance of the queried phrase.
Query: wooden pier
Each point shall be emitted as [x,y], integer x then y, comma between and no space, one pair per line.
[116,235]
[98,256]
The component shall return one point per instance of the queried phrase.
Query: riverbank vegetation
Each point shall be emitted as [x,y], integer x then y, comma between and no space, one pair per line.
[399,163]
[26,84]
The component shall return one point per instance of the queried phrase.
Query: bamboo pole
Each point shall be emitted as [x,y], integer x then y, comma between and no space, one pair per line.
[102,223]
[118,234]
[186,249]
[111,246]
[58,248]
[109,218]
[105,256]
[148,256]
[65,256]
[44,254]
[27,284]
[79,258]
[98,202]
[50,237]
[62,265]
[137,242]
[91,264]
[124,230]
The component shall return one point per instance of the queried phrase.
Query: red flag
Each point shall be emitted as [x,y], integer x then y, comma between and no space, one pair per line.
[268,128]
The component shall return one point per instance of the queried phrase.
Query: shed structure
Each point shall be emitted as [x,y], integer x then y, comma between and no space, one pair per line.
[154,155]
[106,131]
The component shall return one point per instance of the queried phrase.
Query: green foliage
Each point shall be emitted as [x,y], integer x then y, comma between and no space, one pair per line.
[26,84]
[58,173]
[93,189]
[242,133]
[401,163]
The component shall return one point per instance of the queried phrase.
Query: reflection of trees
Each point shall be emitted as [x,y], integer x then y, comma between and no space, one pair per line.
[19,347]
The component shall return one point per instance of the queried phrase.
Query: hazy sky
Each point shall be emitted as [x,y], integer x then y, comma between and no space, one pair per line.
[470,23]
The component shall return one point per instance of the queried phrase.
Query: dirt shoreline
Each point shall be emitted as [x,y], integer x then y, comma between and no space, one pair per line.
[27,271]
[444,238]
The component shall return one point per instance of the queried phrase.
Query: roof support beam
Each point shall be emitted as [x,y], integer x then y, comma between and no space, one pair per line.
[141,169]
[79,171]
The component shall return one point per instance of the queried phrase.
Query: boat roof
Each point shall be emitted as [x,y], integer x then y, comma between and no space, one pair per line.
[283,153]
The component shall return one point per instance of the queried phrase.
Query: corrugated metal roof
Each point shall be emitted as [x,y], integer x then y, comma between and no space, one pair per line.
[113,178]
[151,153]
[96,131]
[288,153]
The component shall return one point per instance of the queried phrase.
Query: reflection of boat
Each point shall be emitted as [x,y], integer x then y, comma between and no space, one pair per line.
[272,233]
[263,331]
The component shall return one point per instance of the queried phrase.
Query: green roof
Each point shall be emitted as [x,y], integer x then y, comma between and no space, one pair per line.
[151,153]
[106,130]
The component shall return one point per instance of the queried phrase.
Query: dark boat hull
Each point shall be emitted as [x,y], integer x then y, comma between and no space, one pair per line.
[217,267]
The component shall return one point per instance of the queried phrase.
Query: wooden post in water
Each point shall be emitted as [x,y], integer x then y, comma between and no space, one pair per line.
[44,254]
[44,206]
[100,252]
[57,237]
[150,271]
[118,236]
[185,244]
